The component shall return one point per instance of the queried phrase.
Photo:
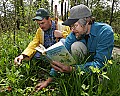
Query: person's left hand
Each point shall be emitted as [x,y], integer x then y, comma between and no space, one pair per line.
[43,84]
[61,67]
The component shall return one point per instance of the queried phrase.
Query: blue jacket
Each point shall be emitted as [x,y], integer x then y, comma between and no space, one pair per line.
[100,45]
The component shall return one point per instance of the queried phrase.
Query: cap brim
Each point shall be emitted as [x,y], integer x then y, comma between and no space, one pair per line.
[69,22]
[37,18]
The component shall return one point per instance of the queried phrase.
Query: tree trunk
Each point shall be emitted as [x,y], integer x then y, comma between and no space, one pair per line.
[87,2]
[22,12]
[4,18]
[68,9]
[65,12]
[51,5]
[62,9]
[17,12]
[91,4]
[112,12]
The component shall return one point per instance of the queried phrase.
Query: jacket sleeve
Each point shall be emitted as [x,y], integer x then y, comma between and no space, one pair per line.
[30,50]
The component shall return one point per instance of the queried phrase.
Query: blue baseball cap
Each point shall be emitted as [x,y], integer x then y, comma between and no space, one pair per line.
[41,14]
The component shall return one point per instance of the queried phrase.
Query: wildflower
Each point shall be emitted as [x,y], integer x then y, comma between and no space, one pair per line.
[95,70]
[110,62]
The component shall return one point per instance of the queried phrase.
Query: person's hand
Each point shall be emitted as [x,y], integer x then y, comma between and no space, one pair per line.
[18,59]
[42,85]
[58,33]
[61,67]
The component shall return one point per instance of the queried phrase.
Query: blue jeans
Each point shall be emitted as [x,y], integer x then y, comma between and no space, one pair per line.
[37,55]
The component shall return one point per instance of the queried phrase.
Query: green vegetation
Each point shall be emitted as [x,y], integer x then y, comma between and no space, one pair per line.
[117,39]
[21,80]
[17,30]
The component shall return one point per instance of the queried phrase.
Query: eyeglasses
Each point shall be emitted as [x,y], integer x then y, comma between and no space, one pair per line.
[73,26]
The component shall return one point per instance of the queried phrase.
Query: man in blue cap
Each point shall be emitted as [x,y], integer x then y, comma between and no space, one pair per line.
[45,35]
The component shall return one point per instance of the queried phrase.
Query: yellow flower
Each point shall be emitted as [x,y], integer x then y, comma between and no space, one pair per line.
[110,62]
[94,70]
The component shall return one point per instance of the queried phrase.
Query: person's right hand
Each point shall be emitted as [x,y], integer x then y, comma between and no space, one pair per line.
[18,59]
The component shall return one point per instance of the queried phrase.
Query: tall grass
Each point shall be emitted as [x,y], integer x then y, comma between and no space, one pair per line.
[14,79]
[99,83]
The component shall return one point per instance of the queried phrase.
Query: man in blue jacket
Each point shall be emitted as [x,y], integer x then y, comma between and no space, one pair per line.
[87,37]
[99,42]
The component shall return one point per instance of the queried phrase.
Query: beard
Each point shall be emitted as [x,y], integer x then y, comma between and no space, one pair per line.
[80,33]
[80,36]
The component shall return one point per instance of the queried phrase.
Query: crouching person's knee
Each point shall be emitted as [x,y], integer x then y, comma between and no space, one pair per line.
[78,49]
